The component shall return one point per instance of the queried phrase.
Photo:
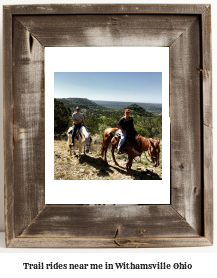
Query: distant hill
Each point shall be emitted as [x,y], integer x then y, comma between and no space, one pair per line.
[89,108]
[155,108]
[83,103]
[134,108]
[98,118]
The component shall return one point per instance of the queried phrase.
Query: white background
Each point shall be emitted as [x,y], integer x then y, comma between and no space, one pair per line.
[83,59]
[202,258]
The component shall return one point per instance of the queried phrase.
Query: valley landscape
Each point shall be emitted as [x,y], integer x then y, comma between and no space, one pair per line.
[99,115]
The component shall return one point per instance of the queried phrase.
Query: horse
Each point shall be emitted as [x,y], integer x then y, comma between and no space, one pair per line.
[134,148]
[82,137]
[140,145]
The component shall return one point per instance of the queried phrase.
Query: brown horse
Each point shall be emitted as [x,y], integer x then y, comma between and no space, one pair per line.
[135,148]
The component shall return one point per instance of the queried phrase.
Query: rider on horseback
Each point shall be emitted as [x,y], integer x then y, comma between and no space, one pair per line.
[78,119]
[127,129]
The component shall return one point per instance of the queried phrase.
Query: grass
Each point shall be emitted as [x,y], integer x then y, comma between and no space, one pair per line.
[93,167]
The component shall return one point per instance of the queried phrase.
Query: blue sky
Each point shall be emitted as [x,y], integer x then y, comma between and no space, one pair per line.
[114,86]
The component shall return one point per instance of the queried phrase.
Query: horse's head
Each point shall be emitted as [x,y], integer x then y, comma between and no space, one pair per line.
[87,138]
[88,141]
[154,151]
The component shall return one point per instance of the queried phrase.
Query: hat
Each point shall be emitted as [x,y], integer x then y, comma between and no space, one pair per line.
[77,108]
[127,111]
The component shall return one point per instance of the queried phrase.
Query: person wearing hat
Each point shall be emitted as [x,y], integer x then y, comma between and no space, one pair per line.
[78,119]
[127,128]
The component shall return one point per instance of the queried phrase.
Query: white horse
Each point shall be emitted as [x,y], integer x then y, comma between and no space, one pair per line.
[84,139]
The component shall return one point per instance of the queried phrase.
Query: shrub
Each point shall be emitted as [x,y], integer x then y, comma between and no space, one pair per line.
[62,117]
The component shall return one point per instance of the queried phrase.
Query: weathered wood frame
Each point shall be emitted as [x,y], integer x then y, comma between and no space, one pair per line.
[186,29]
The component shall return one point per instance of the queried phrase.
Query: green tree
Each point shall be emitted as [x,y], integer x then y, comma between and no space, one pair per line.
[62,117]
[92,122]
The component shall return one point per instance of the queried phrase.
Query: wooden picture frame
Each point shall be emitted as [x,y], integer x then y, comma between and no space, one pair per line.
[186,30]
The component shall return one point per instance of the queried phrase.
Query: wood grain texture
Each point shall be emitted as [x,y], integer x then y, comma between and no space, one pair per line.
[62,242]
[106,9]
[208,183]
[207,67]
[186,30]
[185,115]
[8,125]
[107,30]
[207,118]
[29,117]
[109,222]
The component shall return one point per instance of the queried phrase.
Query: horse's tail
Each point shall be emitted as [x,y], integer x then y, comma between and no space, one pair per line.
[69,141]
[69,134]
[106,134]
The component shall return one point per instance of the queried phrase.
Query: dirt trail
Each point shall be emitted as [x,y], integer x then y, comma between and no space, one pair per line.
[92,166]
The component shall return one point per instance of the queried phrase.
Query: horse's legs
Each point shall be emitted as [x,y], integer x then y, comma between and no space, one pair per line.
[103,148]
[74,149]
[68,144]
[84,149]
[114,142]
[79,148]
[113,156]
[129,166]
[107,139]
[70,150]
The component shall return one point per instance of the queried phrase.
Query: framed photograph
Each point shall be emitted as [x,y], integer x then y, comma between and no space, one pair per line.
[112,55]
[140,87]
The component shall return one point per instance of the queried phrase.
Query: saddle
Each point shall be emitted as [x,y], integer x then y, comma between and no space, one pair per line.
[78,134]
[124,146]
[129,139]
[117,133]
